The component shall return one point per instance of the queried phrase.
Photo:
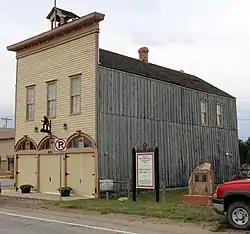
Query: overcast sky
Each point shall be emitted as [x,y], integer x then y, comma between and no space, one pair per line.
[208,38]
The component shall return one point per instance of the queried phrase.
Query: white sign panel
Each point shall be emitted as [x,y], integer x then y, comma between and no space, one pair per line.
[106,185]
[145,178]
[60,144]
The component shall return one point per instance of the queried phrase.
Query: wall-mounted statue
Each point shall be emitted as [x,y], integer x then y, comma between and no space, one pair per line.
[46,125]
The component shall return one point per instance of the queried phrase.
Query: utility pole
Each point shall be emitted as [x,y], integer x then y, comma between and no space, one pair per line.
[6,119]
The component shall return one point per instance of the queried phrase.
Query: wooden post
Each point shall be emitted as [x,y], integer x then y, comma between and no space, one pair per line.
[65,170]
[38,173]
[16,173]
[134,174]
[157,175]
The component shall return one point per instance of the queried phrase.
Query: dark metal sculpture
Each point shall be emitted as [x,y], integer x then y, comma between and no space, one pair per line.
[46,125]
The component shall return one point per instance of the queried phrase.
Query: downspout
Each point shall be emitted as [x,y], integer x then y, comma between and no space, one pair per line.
[97,114]
[16,156]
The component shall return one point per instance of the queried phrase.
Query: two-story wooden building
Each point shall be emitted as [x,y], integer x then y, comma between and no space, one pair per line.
[104,104]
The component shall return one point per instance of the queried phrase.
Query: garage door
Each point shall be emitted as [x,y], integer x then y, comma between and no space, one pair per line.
[81,178]
[49,173]
[27,168]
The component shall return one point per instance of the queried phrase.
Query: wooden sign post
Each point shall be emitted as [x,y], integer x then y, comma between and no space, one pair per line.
[145,170]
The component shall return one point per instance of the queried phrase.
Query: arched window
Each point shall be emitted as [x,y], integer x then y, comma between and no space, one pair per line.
[25,144]
[80,142]
[47,144]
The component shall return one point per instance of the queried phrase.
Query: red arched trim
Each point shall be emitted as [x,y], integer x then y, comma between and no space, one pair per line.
[22,140]
[81,134]
[46,138]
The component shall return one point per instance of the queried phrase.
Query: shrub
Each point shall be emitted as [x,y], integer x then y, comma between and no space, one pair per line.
[65,191]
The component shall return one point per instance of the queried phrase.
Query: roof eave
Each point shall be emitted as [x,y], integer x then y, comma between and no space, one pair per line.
[50,14]
[85,20]
[7,138]
[53,9]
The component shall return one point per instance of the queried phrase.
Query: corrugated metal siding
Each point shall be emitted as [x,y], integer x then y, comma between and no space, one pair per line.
[134,110]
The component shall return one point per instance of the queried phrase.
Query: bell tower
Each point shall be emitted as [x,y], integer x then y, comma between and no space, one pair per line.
[62,17]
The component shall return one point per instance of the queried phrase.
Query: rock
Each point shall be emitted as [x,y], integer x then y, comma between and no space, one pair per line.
[201,181]
[122,198]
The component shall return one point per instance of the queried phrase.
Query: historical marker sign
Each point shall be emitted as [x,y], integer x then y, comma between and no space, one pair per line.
[145,170]
[60,144]
[106,185]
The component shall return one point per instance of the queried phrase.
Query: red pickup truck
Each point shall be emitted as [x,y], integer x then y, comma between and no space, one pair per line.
[232,199]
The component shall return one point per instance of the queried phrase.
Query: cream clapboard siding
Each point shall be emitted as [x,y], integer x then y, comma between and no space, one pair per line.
[59,62]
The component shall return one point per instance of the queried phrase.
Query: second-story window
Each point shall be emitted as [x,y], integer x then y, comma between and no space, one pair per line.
[219,115]
[51,99]
[204,116]
[30,105]
[75,95]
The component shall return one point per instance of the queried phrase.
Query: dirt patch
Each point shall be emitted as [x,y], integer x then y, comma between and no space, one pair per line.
[6,201]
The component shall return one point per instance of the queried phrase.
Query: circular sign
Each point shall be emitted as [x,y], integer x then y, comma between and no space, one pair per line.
[81,139]
[60,144]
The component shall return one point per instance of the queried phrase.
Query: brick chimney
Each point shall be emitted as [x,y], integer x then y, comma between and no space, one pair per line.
[143,54]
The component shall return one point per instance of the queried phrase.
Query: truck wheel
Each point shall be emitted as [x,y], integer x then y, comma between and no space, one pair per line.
[238,215]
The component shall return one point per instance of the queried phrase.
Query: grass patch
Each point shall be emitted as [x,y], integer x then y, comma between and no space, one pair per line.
[146,206]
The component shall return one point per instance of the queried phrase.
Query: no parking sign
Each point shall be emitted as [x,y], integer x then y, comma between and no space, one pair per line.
[60,144]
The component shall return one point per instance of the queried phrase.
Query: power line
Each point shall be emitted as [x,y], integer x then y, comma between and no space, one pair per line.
[6,119]
[242,97]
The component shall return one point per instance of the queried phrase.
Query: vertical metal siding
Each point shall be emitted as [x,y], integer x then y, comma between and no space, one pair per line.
[134,110]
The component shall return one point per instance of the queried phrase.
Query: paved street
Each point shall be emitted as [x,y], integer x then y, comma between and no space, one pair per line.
[32,222]
[13,225]
[15,219]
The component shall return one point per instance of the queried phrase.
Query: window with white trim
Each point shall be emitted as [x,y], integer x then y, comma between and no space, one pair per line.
[51,99]
[75,95]
[219,115]
[30,103]
[204,115]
